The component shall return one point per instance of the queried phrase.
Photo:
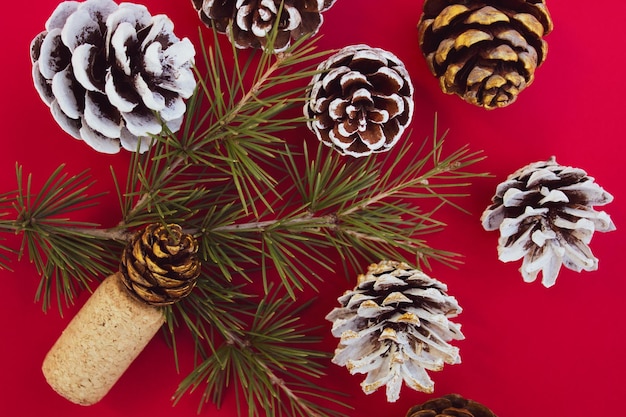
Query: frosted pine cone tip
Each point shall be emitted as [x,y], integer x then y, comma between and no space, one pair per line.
[112,74]
[361,101]
[545,214]
[249,23]
[394,326]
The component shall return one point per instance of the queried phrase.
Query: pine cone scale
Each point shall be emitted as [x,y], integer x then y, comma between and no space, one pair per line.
[531,23]
[67,94]
[487,15]
[447,15]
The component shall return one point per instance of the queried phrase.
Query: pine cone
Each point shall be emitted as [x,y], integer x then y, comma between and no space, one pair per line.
[105,70]
[545,214]
[361,101]
[484,51]
[249,22]
[394,326]
[451,405]
[160,265]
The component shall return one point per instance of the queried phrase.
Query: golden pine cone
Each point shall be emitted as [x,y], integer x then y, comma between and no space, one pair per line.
[160,264]
[451,405]
[484,51]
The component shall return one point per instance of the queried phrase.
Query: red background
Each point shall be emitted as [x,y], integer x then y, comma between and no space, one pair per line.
[528,350]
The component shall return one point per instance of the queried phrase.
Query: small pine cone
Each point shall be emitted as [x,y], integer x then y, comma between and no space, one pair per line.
[160,264]
[249,22]
[361,101]
[112,75]
[451,405]
[394,326]
[484,51]
[545,214]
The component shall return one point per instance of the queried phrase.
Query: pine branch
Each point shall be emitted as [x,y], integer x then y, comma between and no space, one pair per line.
[67,254]
[264,362]
[367,209]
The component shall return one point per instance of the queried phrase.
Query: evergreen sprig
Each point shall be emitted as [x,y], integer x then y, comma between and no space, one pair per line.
[67,254]
[263,209]
[267,363]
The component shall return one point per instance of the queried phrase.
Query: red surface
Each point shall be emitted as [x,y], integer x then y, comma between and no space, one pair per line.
[528,350]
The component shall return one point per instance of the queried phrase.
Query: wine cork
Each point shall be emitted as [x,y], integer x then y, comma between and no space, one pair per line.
[100,343]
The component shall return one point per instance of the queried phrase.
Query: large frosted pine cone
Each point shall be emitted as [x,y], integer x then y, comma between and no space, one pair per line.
[160,264]
[361,101]
[394,326]
[248,23]
[545,214]
[451,405]
[484,51]
[112,75]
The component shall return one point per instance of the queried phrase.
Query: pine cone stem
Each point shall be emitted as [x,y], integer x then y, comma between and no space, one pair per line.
[100,343]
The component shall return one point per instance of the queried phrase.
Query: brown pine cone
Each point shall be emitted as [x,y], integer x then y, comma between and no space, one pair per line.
[451,405]
[484,51]
[112,75]
[249,22]
[361,101]
[160,264]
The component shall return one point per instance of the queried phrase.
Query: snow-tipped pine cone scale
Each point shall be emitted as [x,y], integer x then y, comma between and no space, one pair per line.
[485,51]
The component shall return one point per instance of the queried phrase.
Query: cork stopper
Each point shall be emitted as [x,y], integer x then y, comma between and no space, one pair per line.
[100,343]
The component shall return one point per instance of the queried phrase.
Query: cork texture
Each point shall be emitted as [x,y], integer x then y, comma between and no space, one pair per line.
[100,343]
